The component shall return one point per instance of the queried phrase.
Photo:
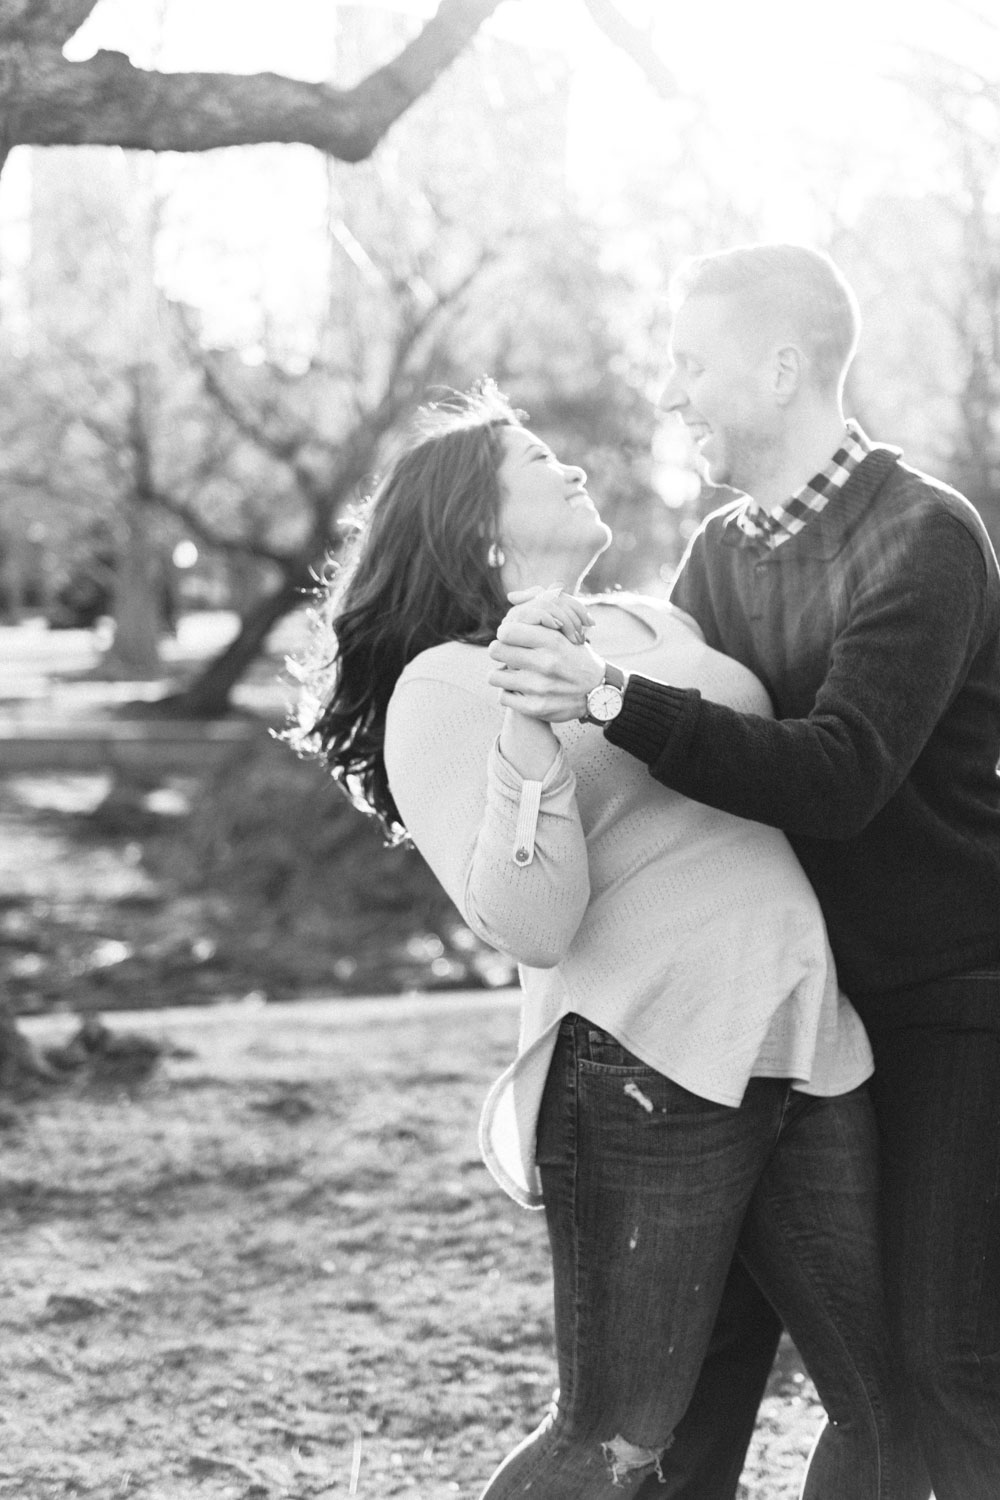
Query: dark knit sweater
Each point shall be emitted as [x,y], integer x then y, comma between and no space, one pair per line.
[876,630]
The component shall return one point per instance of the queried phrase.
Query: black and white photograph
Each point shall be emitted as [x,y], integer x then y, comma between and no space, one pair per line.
[499,750]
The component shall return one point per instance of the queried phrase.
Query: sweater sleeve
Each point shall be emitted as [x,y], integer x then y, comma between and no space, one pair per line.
[510,853]
[914,625]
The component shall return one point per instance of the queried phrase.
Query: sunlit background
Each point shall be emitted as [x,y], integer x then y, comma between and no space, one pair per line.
[582,175]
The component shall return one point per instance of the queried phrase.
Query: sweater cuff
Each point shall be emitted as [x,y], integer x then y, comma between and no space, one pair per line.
[556,779]
[651,714]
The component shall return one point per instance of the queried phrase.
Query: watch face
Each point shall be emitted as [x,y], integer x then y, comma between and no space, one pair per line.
[604,702]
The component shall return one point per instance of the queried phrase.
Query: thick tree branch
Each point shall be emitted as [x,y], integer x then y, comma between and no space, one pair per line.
[42,22]
[47,101]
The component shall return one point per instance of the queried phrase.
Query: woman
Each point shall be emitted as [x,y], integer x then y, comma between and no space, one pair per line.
[689,1082]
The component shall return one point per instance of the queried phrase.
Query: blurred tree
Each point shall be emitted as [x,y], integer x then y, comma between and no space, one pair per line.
[317,435]
[46,100]
[567,336]
[256,458]
[965,104]
[107,374]
[256,448]
[926,266]
[79,452]
[303,444]
[79,429]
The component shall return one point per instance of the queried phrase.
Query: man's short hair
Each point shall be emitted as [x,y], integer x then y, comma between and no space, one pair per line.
[801,284]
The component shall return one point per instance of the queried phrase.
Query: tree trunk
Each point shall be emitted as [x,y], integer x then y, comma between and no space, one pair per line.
[208,696]
[135,650]
[15,575]
[247,580]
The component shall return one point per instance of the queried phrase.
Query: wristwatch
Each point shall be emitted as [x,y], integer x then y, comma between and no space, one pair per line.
[604,702]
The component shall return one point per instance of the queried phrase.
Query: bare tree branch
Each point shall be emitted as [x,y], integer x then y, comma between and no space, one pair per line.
[195,522]
[976,13]
[945,83]
[46,101]
[285,447]
[635,43]
[289,444]
[24,479]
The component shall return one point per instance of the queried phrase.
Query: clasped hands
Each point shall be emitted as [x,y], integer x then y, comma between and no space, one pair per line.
[544,666]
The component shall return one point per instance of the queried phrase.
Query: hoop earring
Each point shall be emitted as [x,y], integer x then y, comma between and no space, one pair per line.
[495,556]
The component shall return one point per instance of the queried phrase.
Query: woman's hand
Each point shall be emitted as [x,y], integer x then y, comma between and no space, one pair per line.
[528,743]
[551,607]
[545,668]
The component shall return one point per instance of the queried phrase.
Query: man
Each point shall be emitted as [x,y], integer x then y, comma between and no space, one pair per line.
[867,598]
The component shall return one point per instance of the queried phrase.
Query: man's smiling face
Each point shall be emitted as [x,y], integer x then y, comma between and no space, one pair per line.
[721,384]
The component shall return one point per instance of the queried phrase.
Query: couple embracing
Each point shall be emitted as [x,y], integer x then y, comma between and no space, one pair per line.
[745,846]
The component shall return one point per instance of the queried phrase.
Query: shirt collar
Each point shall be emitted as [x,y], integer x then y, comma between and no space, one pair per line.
[794,514]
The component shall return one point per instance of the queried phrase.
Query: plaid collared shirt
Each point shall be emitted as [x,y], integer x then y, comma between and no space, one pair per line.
[777,526]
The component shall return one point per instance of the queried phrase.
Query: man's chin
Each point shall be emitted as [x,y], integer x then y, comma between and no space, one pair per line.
[714,473]
[719,477]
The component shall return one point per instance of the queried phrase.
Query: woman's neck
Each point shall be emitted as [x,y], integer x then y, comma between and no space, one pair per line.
[527,573]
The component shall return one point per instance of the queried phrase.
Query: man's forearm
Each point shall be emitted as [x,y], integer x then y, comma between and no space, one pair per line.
[756,768]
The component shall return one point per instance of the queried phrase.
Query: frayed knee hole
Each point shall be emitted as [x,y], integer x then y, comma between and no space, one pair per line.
[626,1458]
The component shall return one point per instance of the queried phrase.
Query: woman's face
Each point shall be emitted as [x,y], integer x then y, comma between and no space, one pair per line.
[549,527]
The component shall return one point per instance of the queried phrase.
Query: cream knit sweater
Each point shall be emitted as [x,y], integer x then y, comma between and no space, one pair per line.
[691,935]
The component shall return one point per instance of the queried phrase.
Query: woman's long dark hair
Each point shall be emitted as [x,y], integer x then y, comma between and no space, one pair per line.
[416,574]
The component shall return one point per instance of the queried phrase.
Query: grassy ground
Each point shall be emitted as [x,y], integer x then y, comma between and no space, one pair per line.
[279,1269]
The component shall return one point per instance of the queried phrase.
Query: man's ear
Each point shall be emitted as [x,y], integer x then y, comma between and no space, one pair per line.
[788,372]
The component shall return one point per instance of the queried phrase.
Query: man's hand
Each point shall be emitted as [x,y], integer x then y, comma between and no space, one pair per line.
[539,671]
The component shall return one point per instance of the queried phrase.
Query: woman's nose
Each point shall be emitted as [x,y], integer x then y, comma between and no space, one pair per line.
[575,473]
[673,396]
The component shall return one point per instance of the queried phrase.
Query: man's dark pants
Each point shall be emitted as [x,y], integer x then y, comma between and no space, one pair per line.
[937,1097]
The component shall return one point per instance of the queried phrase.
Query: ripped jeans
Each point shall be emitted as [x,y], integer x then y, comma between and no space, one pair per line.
[649,1193]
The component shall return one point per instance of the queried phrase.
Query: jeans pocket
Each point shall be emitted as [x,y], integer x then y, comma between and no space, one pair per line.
[606,1051]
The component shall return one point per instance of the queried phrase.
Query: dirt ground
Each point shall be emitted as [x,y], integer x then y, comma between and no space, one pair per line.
[279,1269]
